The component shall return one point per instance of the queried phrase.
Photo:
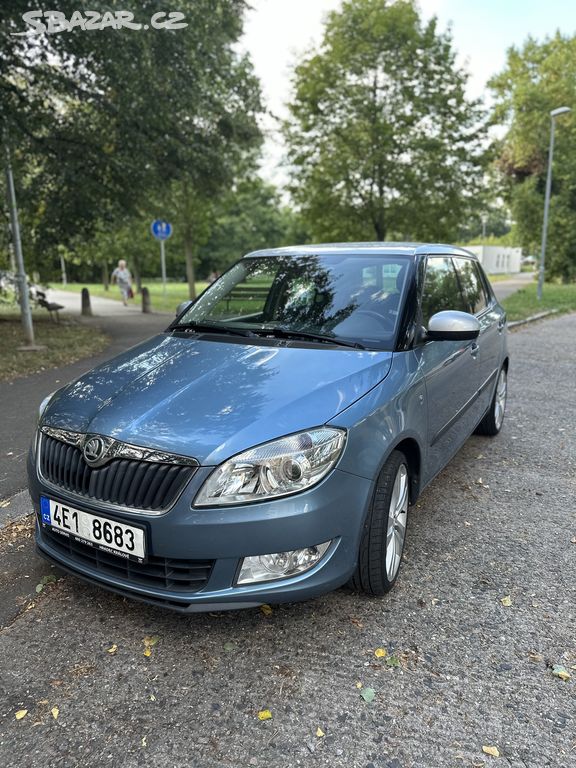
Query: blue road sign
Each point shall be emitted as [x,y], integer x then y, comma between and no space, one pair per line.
[161,229]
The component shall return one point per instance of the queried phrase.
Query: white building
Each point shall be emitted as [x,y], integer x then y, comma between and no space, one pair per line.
[497,259]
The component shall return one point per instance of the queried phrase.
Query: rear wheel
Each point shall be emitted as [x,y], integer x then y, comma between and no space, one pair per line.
[492,422]
[384,532]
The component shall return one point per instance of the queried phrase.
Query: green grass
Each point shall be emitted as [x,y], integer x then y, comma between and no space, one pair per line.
[175,293]
[64,343]
[524,303]
[500,277]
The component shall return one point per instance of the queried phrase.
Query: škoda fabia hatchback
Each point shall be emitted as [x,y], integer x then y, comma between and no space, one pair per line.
[267,446]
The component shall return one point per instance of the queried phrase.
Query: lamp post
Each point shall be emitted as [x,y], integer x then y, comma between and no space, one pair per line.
[553,114]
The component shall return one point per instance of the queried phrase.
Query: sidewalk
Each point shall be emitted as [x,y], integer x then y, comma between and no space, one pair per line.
[126,326]
[504,288]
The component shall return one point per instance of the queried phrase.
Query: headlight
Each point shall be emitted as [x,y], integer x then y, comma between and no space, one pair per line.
[44,404]
[274,469]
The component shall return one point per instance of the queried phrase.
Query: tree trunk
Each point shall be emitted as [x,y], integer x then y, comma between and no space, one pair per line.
[105,276]
[189,264]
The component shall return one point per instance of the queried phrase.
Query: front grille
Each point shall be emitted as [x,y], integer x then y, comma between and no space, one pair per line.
[146,485]
[162,573]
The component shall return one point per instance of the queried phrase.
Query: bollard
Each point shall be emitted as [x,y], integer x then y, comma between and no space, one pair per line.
[86,306]
[146,304]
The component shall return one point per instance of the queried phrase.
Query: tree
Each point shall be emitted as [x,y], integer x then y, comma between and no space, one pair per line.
[538,78]
[383,141]
[103,122]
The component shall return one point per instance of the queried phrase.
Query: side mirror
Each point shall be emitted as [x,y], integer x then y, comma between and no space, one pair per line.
[183,306]
[452,326]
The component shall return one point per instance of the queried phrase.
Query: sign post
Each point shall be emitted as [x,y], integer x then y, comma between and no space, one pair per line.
[162,230]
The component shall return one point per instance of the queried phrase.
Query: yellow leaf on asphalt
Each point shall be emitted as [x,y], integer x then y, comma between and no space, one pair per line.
[55,712]
[380,653]
[266,610]
[506,601]
[494,751]
[559,670]
[150,641]
[358,684]
[21,713]
[319,732]
[147,651]
[112,649]
[264,714]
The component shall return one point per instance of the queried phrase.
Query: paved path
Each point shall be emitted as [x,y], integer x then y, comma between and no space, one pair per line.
[504,288]
[497,521]
[19,399]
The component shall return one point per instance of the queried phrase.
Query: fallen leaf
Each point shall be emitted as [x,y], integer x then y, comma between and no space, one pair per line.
[144,742]
[21,713]
[368,694]
[357,623]
[55,712]
[358,684]
[559,670]
[506,601]
[113,648]
[150,641]
[266,610]
[319,732]
[264,714]
[380,653]
[152,697]
[229,646]
[494,751]
[393,661]
[147,651]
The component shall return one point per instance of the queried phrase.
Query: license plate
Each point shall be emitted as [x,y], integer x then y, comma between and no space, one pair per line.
[126,541]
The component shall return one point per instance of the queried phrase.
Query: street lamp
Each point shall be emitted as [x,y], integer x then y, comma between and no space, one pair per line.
[553,114]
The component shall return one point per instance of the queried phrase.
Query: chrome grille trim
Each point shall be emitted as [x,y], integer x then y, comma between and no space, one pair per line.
[117,449]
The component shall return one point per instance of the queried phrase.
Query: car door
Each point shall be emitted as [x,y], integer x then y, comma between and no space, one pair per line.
[480,303]
[450,368]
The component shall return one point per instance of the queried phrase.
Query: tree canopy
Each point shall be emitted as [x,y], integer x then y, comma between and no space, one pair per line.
[382,139]
[538,78]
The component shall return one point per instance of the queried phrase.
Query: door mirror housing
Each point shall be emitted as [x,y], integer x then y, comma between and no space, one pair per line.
[452,326]
[183,306]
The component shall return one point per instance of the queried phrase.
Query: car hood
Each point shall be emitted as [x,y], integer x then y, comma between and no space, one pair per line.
[213,399]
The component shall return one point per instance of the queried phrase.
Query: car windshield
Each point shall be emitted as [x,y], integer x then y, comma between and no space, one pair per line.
[331,298]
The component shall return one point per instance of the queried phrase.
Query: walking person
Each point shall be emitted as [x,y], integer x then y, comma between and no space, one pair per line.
[123,278]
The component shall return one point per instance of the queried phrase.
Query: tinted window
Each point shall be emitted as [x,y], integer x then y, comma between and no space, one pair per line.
[472,285]
[441,289]
[348,296]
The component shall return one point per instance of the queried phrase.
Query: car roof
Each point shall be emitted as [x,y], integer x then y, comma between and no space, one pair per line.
[373,248]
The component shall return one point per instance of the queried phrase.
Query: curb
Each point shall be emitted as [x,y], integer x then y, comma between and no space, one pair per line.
[18,507]
[532,319]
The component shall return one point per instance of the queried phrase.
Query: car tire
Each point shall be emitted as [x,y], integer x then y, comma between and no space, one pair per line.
[384,532]
[492,422]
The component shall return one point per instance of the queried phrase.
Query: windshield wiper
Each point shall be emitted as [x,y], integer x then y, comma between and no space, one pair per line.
[283,333]
[210,328]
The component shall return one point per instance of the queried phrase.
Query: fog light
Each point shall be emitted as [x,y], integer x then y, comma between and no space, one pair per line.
[280,565]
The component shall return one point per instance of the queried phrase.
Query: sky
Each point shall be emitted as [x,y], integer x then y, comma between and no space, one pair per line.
[278,31]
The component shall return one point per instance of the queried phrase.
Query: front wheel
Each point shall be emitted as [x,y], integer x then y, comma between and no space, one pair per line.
[382,541]
[492,422]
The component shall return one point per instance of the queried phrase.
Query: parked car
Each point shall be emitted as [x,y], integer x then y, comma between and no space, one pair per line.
[268,445]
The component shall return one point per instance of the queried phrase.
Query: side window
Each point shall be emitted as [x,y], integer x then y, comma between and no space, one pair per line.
[472,285]
[441,288]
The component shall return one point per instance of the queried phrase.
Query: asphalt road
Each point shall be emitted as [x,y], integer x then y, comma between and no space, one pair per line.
[464,670]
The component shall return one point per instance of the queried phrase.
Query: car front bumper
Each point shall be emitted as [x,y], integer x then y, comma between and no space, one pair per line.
[217,539]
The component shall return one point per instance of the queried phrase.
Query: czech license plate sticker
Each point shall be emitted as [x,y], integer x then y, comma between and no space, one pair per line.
[126,541]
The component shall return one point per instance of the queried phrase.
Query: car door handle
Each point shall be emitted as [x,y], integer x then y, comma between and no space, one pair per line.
[474,349]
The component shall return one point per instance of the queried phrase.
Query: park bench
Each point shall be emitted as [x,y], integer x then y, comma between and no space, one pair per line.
[51,306]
